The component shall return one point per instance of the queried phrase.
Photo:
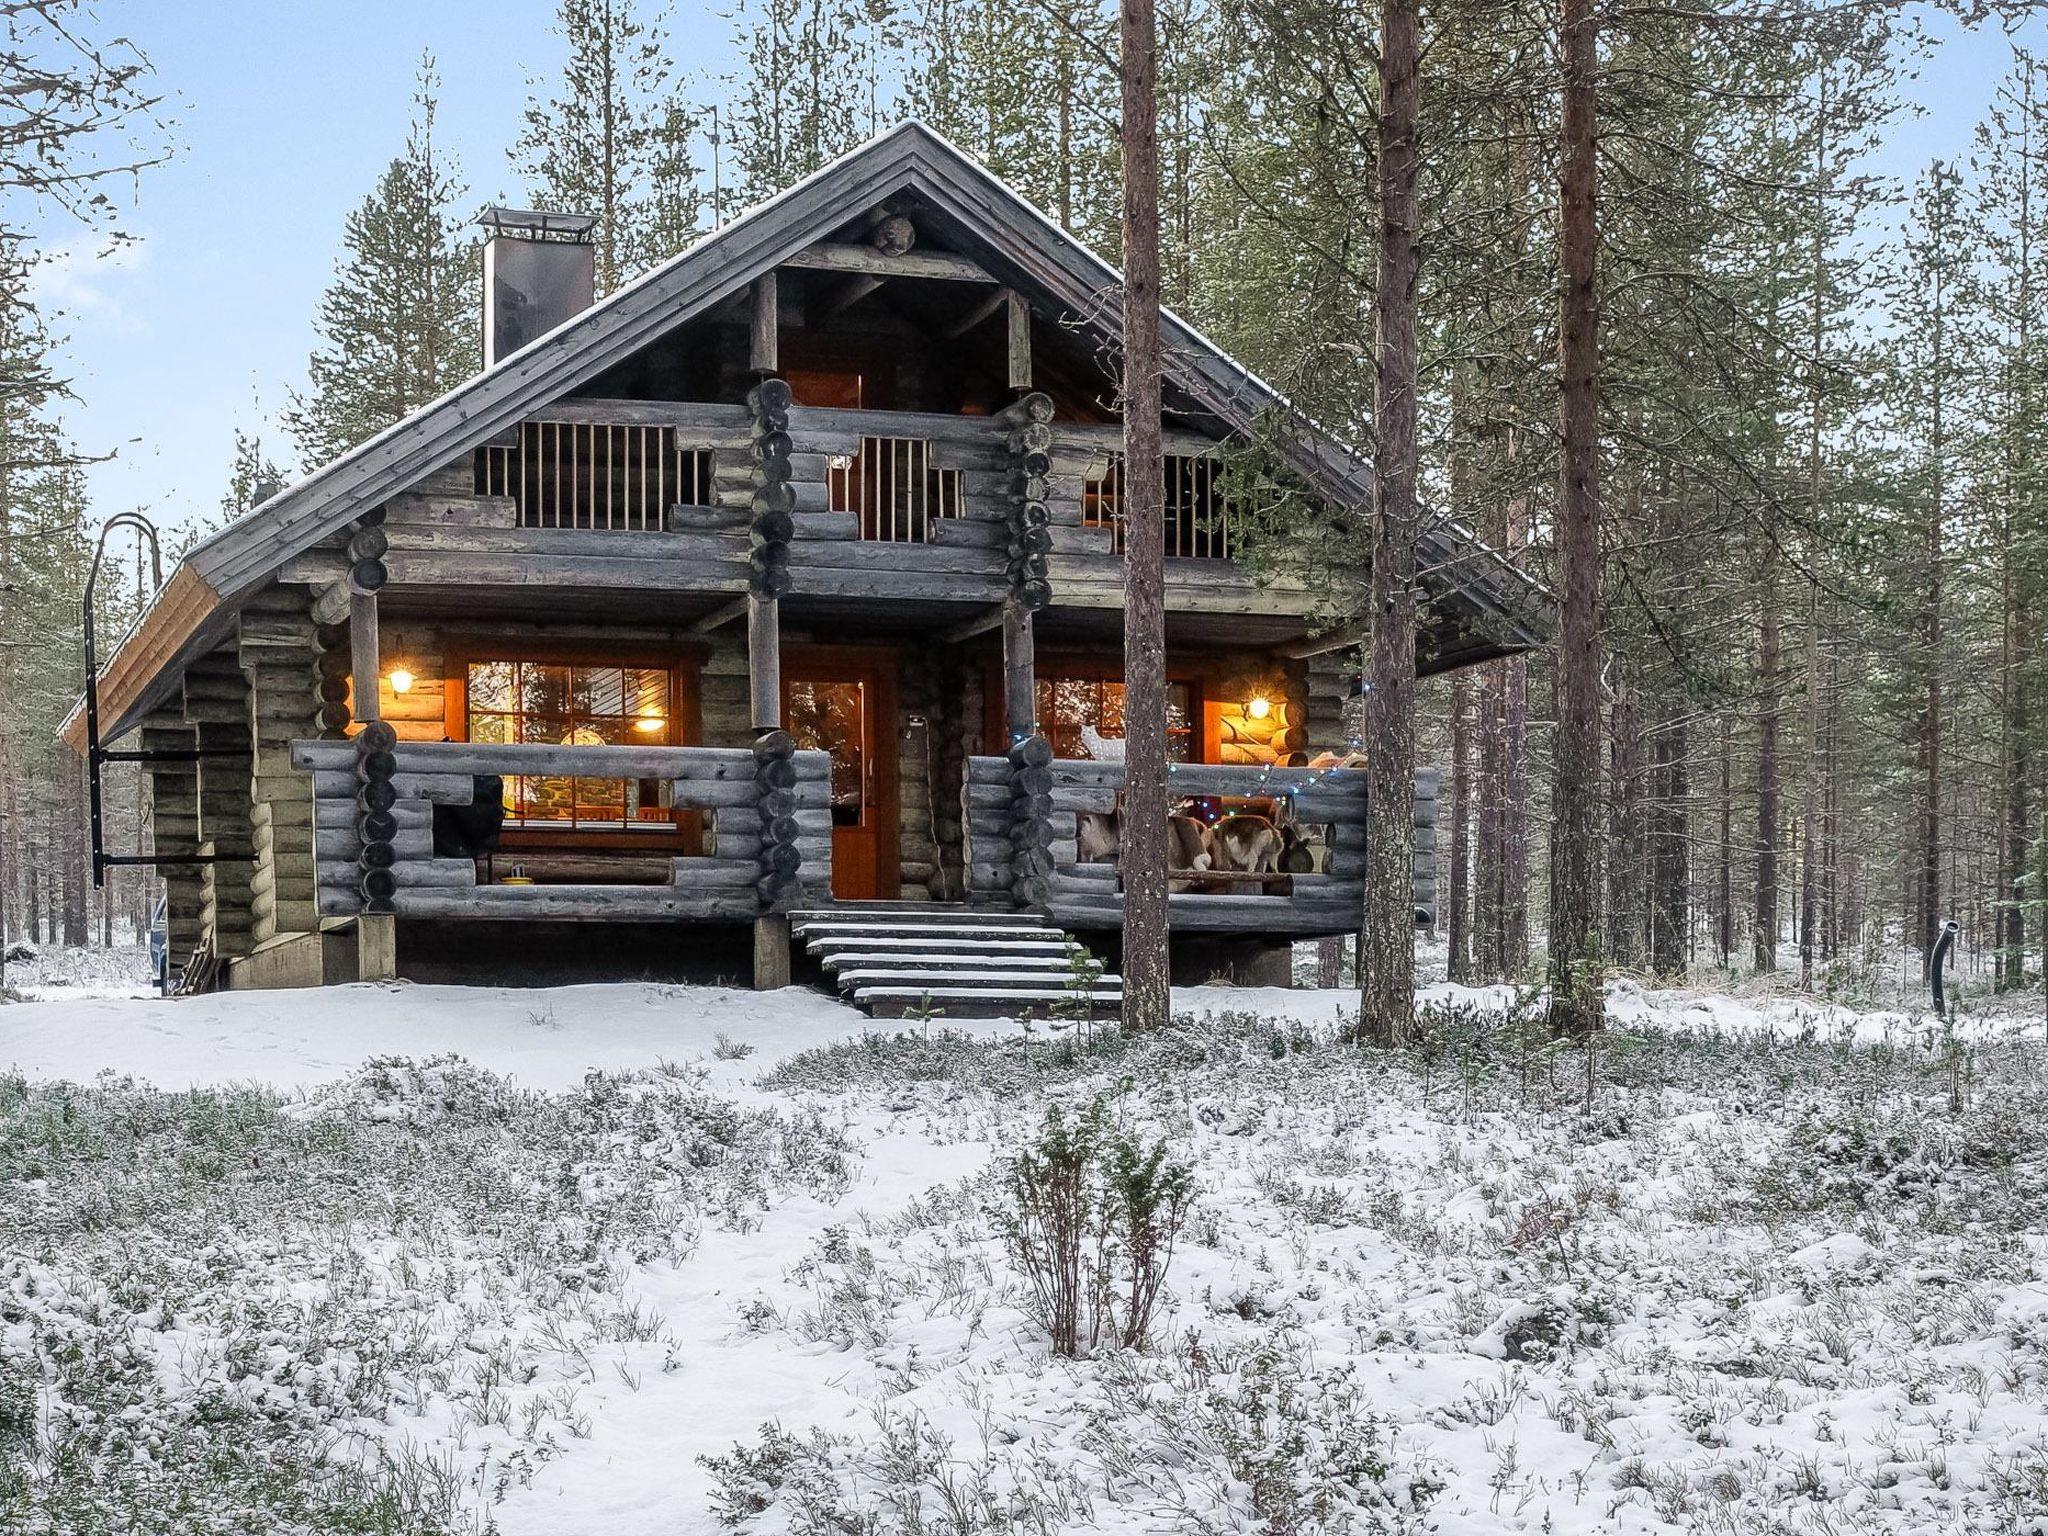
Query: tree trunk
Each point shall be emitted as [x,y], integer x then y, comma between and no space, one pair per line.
[1576,1000]
[1146,984]
[1388,984]
[1809,802]
[1764,935]
[1625,898]
[1487,850]
[1670,855]
[1459,927]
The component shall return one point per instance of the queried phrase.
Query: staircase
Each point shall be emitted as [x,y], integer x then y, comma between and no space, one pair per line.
[902,958]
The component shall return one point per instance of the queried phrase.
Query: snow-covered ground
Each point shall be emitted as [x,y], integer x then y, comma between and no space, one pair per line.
[655,1259]
[56,972]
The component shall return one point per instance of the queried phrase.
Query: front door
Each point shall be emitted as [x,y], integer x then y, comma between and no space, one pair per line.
[842,700]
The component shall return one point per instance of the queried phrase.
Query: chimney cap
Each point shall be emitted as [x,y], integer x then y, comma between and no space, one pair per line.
[533,224]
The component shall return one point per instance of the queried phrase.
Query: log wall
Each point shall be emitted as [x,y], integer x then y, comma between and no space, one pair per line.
[279,654]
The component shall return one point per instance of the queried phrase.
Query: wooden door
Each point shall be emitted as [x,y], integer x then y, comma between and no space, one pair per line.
[842,700]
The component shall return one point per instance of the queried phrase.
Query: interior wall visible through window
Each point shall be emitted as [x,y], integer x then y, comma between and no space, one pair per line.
[1079,714]
[513,701]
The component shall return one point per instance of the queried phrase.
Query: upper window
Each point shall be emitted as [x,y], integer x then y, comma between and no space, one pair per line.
[566,703]
[577,474]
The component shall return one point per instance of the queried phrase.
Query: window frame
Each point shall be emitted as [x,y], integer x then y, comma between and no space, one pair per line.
[684,665]
[1205,732]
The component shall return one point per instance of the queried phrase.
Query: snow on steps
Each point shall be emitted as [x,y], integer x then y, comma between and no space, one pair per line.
[901,959]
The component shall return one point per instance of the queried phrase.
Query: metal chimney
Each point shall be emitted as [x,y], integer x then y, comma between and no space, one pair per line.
[539,269]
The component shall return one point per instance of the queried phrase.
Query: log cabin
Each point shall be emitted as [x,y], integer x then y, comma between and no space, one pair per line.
[768,605]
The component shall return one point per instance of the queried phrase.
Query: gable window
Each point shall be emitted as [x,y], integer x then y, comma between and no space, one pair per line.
[1201,521]
[518,701]
[579,474]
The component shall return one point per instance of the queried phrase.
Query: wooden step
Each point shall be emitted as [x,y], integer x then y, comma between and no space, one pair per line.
[835,927]
[958,982]
[1023,1002]
[1051,944]
[960,960]
[904,958]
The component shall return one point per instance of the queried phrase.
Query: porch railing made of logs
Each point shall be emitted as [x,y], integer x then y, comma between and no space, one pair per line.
[768,840]
[1022,813]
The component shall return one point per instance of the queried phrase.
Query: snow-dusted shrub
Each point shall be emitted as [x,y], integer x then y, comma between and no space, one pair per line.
[226,1311]
[1254,1429]
[1092,1218]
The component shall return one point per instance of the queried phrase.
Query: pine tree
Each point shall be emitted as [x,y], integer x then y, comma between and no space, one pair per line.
[252,477]
[815,81]
[675,199]
[400,322]
[608,143]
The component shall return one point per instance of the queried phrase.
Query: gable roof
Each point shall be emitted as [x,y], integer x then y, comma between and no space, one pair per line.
[1015,242]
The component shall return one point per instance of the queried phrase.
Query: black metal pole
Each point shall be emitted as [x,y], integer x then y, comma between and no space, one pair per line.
[1942,946]
[95,754]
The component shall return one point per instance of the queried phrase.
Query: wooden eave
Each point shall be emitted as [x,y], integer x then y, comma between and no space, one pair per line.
[1016,245]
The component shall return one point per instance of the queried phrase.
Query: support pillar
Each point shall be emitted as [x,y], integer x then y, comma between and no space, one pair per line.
[376,947]
[779,885]
[376,763]
[1020,673]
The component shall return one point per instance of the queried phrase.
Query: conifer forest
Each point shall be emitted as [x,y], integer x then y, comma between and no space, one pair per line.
[1695,344]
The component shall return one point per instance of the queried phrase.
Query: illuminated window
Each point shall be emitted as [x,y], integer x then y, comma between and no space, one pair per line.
[1077,712]
[561,703]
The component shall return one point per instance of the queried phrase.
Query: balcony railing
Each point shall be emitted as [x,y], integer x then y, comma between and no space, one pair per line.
[894,477]
[895,488]
[589,474]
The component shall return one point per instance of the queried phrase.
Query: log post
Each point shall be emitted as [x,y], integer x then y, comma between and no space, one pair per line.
[376,760]
[1020,673]
[1031,823]
[779,885]
[1018,310]
[1027,439]
[763,343]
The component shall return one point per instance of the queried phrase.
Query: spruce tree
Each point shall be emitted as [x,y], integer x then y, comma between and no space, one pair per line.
[400,323]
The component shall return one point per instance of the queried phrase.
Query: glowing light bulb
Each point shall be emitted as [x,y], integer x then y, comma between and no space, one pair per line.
[401,680]
[1259,707]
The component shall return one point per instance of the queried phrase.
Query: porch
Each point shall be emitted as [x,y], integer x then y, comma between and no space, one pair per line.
[390,818]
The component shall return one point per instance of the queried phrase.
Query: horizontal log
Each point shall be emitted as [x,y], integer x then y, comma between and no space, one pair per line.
[411,873]
[579,903]
[683,765]
[704,873]
[711,425]
[906,558]
[451,511]
[867,260]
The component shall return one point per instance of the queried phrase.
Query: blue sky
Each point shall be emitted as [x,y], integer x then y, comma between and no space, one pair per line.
[285,114]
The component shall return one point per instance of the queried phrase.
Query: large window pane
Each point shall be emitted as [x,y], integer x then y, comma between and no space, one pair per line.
[490,687]
[1077,713]
[544,689]
[554,704]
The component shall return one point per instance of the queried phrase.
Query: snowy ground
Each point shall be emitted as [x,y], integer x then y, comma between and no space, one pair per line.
[649,1259]
[55,972]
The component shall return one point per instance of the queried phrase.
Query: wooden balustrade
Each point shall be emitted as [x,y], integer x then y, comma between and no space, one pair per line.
[747,864]
[1001,834]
